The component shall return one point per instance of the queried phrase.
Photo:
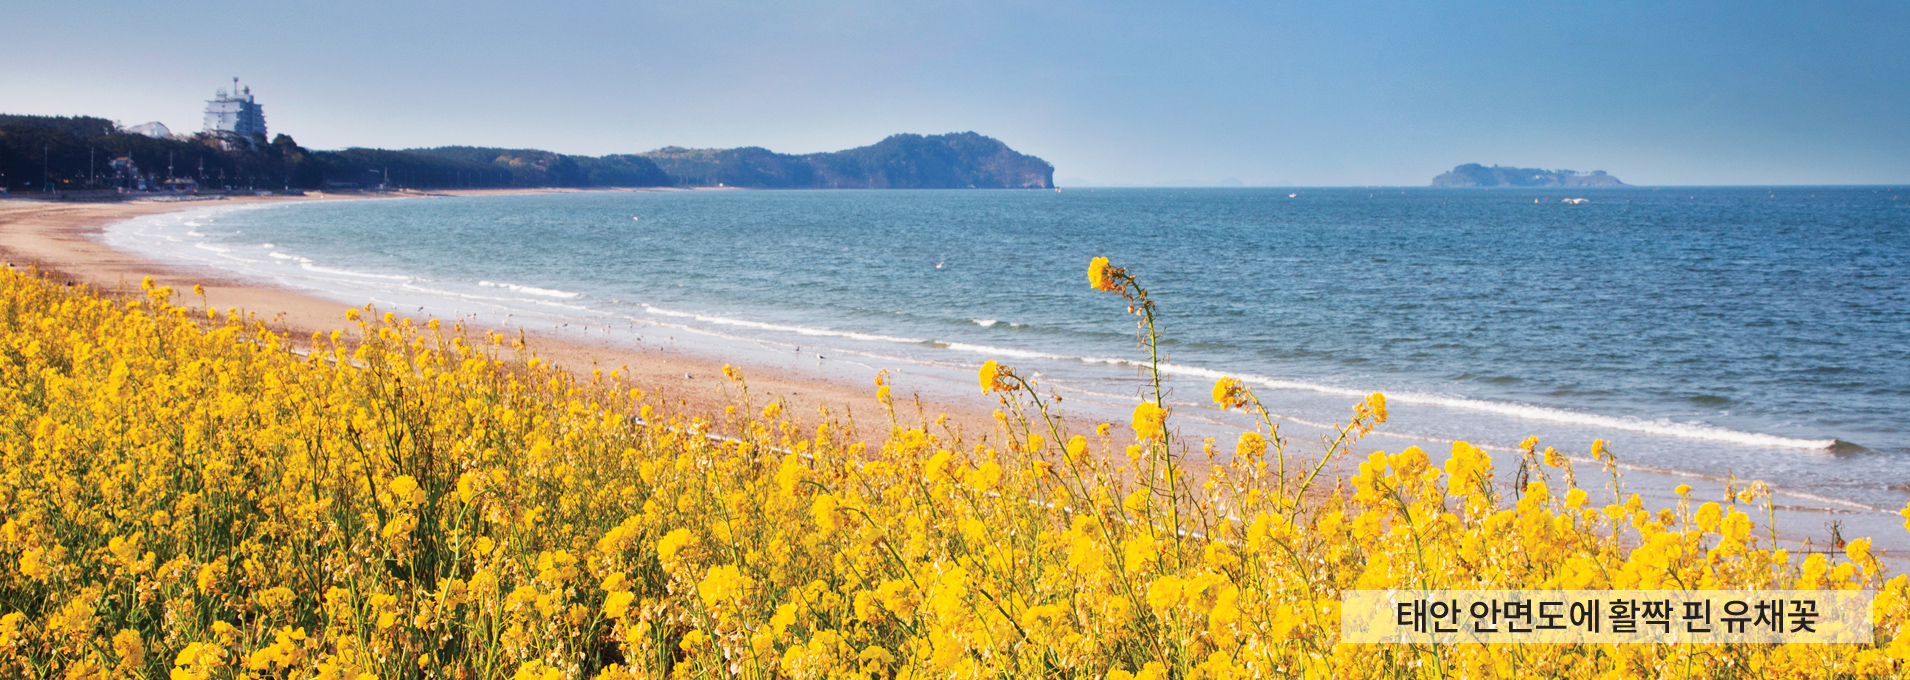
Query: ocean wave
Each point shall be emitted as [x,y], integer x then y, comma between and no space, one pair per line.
[990,350]
[784,328]
[1517,410]
[1530,412]
[530,290]
[308,266]
[460,295]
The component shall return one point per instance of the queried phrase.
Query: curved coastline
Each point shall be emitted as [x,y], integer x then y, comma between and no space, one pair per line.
[65,239]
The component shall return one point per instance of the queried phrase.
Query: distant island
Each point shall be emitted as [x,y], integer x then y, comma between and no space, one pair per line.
[84,152]
[1476,175]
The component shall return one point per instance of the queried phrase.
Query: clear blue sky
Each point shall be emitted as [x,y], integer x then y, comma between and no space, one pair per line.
[1269,93]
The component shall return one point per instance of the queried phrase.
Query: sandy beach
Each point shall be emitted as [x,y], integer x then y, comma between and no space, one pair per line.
[63,239]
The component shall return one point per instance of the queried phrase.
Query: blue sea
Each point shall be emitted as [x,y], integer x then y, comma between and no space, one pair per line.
[1707,333]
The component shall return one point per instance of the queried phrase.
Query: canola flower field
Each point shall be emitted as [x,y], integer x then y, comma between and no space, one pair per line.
[187,495]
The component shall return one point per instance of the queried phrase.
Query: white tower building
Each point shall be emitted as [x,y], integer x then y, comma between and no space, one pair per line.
[236,115]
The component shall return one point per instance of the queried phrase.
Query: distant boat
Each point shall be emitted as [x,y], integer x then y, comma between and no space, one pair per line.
[1574,201]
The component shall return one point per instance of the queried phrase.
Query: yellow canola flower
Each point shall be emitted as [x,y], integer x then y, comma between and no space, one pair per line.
[997,378]
[674,543]
[1859,551]
[32,565]
[1251,446]
[1077,448]
[1149,420]
[130,648]
[1376,403]
[823,511]
[1230,393]
[615,582]
[1152,670]
[724,583]
[617,603]
[1101,275]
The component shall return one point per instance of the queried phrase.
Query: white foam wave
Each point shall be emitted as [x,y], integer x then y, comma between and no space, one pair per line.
[984,323]
[308,266]
[1530,412]
[1524,411]
[530,290]
[782,328]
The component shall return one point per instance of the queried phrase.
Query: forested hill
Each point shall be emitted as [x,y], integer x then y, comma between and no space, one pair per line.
[961,160]
[78,152]
[544,168]
[1476,175]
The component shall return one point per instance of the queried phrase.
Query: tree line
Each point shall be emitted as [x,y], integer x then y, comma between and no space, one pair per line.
[59,153]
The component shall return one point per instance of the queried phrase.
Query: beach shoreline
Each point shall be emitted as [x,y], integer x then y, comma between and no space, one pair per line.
[63,240]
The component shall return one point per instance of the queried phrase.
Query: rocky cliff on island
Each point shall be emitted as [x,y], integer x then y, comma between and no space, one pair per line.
[1476,175]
